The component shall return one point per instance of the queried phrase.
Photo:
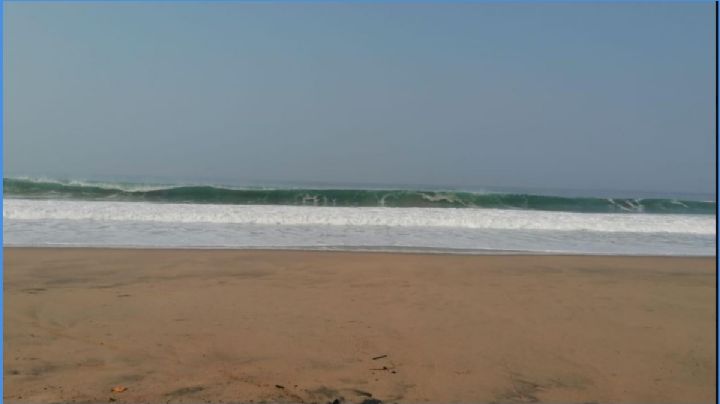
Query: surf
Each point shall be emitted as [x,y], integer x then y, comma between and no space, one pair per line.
[391,198]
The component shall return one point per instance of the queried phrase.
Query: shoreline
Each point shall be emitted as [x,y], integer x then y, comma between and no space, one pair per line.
[379,250]
[231,326]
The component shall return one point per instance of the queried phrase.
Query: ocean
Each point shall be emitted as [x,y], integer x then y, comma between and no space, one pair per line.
[46,212]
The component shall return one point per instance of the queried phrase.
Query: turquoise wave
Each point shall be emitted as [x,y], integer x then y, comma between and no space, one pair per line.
[38,189]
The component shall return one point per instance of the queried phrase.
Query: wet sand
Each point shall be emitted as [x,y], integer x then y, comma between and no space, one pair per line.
[198,326]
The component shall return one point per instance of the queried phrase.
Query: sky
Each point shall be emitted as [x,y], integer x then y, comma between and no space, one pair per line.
[611,96]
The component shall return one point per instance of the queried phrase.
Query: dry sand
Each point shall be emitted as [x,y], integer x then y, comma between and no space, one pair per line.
[249,326]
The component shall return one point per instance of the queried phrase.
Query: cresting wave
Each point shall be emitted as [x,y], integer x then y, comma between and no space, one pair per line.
[355,217]
[205,194]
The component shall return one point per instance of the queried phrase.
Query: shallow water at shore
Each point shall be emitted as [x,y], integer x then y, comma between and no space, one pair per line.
[154,225]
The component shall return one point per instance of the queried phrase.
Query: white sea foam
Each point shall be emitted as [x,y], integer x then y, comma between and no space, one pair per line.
[21,209]
[137,224]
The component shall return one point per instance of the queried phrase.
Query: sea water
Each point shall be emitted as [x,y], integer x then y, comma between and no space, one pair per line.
[73,213]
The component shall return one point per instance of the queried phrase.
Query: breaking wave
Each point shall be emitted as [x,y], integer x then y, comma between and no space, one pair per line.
[208,194]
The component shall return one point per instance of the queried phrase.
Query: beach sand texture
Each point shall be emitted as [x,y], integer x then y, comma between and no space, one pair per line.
[197,326]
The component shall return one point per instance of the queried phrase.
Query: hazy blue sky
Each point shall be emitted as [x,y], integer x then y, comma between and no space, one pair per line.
[586,96]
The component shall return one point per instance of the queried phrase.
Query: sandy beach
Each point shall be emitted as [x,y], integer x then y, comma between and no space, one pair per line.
[222,326]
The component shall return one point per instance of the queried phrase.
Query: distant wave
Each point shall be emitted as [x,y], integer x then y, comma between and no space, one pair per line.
[207,194]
